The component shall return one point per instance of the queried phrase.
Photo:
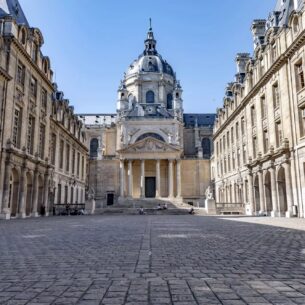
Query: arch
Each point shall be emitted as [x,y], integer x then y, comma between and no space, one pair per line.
[93,148]
[40,195]
[206,148]
[267,189]
[150,97]
[169,104]
[281,189]
[29,194]
[14,192]
[151,135]
[256,194]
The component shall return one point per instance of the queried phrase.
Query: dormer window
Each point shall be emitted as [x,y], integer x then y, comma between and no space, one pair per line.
[23,36]
[177,95]
[34,52]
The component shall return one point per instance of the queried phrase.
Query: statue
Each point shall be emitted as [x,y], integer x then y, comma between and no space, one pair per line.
[90,204]
[209,193]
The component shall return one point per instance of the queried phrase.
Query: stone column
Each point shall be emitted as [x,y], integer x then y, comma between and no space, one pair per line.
[122,178]
[170,179]
[46,194]
[22,194]
[273,192]
[178,178]
[6,189]
[250,193]
[289,195]
[35,194]
[130,186]
[158,184]
[142,186]
[232,192]
[261,193]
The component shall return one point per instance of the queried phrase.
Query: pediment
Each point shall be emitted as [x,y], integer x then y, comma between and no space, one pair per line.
[149,145]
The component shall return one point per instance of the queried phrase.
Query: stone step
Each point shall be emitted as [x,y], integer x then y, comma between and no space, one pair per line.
[132,211]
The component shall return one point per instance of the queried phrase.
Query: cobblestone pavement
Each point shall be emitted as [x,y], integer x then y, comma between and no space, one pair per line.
[156,260]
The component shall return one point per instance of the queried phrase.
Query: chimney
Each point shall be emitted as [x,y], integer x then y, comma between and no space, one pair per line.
[258,31]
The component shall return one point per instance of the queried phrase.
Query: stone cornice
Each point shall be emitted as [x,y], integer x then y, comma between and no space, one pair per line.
[59,125]
[297,44]
[29,60]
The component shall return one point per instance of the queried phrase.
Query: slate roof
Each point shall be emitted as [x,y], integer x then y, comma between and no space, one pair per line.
[285,8]
[203,119]
[13,8]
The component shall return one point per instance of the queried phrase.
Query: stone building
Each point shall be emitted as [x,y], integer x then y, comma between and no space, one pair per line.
[42,155]
[259,134]
[149,148]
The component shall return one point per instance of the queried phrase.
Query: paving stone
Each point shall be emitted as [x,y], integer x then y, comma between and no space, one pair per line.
[155,260]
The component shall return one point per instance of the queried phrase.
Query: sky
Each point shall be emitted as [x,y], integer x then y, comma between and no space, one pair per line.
[91,43]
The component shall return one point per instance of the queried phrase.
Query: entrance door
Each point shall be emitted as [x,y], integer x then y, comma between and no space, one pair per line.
[150,187]
[110,198]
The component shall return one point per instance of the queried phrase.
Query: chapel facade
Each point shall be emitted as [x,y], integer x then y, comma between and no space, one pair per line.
[149,149]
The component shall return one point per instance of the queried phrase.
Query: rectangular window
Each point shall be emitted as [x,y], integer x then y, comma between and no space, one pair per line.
[243,126]
[17,127]
[232,135]
[238,158]
[263,107]
[44,100]
[300,76]
[66,194]
[83,167]
[253,116]
[229,163]
[33,87]
[254,147]
[278,134]
[78,164]
[228,139]
[30,135]
[20,74]
[302,121]
[42,134]
[244,154]
[59,193]
[237,131]
[276,96]
[61,152]
[233,160]
[73,161]
[53,149]
[67,157]
[266,141]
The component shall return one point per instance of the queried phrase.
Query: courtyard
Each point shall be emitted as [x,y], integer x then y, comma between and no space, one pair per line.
[156,260]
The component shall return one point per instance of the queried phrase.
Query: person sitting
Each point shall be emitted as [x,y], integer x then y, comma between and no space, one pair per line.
[141,211]
[159,207]
[165,206]
[191,211]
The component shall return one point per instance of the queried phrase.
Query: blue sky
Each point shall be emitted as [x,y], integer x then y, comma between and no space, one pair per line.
[92,42]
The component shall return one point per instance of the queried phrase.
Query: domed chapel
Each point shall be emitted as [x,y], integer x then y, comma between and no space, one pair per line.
[149,149]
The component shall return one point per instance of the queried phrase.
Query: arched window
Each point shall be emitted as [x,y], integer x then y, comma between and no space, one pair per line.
[93,148]
[150,97]
[206,148]
[169,101]
[150,135]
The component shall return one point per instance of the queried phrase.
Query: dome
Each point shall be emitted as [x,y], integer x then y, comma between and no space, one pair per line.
[150,63]
[150,60]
